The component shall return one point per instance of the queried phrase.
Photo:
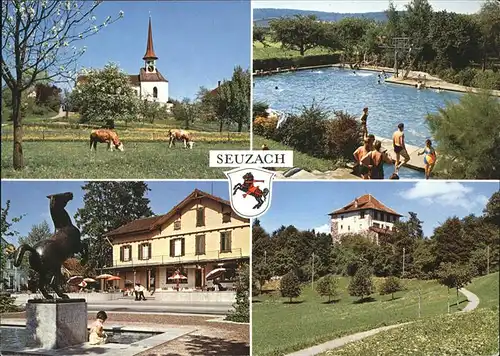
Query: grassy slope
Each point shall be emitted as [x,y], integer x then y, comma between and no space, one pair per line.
[299,159]
[474,333]
[73,160]
[279,328]
[274,50]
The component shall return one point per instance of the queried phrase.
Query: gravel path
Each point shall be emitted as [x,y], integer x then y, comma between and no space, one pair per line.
[472,298]
[318,349]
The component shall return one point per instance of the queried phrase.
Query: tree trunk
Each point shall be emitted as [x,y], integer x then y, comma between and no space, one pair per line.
[221,123]
[457,297]
[392,296]
[240,126]
[18,158]
[302,50]
[290,299]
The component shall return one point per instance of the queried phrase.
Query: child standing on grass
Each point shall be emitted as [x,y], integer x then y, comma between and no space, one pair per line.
[97,335]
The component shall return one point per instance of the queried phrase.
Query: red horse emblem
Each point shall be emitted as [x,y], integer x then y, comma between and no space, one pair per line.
[249,188]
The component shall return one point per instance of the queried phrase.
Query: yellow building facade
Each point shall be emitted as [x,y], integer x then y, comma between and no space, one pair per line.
[198,235]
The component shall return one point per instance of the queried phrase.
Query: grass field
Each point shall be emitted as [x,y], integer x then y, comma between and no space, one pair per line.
[274,50]
[299,159]
[473,333]
[279,328]
[140,160]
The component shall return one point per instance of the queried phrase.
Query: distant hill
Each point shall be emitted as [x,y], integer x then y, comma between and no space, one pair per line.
[261,17]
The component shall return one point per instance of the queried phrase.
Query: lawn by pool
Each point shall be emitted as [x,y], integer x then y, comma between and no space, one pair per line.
[337,89]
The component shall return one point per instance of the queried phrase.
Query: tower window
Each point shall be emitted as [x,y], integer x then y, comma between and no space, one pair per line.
[155,92]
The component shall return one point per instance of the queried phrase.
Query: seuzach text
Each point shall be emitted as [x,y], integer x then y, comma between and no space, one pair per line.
[251,158]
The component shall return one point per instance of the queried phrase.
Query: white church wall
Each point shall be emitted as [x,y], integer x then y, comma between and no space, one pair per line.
[147,91]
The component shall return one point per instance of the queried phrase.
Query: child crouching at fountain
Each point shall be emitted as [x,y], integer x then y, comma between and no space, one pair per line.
[97,335]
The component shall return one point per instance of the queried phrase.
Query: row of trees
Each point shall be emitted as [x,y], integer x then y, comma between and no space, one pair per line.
[473,240]
[361,285]
[108,94]
[439,40]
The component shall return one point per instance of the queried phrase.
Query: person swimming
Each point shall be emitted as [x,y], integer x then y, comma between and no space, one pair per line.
[276,88]
[429,158]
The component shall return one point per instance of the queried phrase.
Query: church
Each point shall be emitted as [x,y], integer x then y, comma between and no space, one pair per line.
[149,84]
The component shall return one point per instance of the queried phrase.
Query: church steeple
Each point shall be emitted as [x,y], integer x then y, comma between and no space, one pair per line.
[150,56]
[150,53]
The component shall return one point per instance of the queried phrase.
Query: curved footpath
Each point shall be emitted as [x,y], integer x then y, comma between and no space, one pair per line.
[336,343]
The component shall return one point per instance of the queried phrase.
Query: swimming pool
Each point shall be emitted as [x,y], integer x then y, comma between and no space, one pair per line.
[335,89]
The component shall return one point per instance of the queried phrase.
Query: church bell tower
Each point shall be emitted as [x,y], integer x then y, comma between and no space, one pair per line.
[150,56]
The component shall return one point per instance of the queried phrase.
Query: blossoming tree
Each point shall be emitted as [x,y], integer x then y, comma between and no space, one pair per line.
[43,36]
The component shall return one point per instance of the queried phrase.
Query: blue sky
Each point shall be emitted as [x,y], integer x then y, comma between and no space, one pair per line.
[359,6]
[197,42]
[29,197]
[306,204]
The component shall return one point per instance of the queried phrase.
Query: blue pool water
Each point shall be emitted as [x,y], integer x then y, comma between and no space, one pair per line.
[334,89]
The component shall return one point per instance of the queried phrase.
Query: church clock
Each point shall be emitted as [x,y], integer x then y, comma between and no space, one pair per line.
[150,66]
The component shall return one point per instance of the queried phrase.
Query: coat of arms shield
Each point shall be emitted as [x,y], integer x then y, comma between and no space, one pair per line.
[250,191]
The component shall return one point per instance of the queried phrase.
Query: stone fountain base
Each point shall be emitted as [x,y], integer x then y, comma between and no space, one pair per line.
[55,324]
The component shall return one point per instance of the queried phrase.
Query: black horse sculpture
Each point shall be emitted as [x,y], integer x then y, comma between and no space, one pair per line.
[47,256]
[249,188]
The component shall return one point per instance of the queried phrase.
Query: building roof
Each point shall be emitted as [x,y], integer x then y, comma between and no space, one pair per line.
[151,77]
[150,52]
[381,231]
[155,222]
[365,202]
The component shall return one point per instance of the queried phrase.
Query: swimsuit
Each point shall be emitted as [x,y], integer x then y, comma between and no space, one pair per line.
[429,156]
[378,170]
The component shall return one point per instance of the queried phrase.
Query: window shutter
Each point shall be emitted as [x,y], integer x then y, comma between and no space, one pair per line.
[182,246]
[222,235]
[228,242]
[149,250]
[140,251]
[202,247]
[121,253]
[172,246]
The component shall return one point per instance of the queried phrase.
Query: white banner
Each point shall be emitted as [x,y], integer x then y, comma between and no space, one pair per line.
[260,158]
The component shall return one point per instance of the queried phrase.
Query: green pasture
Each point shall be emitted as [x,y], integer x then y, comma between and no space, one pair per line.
[460,334]
[280,327]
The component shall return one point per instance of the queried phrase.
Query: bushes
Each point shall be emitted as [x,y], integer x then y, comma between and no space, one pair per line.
[471,77]
[290,286]
[314,132]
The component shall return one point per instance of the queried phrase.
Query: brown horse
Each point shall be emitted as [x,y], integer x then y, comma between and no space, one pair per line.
[180,135]
[105,135]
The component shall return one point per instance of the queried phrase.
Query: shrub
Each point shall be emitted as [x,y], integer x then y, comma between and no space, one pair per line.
[342,135]
[241,311]
[328,286]
[265,126]
[465,76]
[305,61]
[390,285]
[467,136]
[487,80]
[7,303]
[290,286]
[361,283]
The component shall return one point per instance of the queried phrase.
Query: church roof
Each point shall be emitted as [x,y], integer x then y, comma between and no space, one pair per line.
[150,52]
[365,202]
[151,77]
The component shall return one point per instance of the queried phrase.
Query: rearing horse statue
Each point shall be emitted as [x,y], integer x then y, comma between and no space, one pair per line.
[47,256]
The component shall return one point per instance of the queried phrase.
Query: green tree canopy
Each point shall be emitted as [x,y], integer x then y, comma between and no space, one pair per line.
[106,94]
[391,285]
[37,233]
[300,33]
[328,286]
[361,284]
[107,206]
[290,286]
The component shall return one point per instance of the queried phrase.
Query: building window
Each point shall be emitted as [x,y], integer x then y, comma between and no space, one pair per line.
[125,253]
[354,219]
[177,247]
[226,217]
[362,215]
[341,227]
[382,217]
[341,217]
[144,251]
[225,241]
[348,227]
[360,226]
[177,224]
[200,245]
[200,216]
[155,92]
[376,225]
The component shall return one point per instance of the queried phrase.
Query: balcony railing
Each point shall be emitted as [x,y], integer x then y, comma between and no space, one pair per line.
[186,258]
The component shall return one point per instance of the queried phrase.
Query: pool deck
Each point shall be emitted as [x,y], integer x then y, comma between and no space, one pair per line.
[431,82]
[416,161]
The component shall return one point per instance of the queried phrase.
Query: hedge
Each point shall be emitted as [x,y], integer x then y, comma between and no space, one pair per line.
[306,61]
